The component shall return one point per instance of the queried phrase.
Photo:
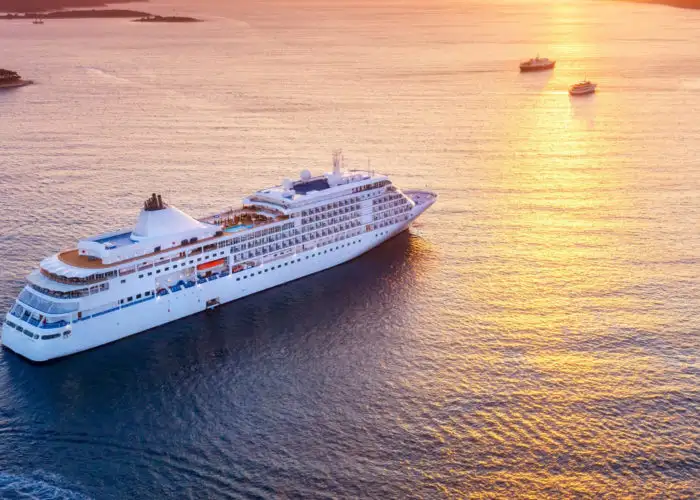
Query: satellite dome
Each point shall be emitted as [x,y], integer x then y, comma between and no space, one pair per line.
[287,184]
[305,175]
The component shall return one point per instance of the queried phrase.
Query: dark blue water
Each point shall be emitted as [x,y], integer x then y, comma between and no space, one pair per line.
[266,397]
[536,334]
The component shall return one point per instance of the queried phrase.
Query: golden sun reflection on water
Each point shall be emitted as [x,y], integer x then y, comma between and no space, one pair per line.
[552,306]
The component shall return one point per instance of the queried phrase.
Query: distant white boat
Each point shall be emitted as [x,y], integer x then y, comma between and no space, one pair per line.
[583,88]
[537,64]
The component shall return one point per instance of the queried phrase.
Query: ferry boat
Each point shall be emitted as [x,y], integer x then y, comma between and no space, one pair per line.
[171,265]
[537,64]
[583,88]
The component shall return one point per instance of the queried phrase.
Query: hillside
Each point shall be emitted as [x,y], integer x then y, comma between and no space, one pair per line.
[44,5]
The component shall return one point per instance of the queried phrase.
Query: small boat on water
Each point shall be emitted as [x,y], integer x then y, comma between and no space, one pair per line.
[38,20]
[582,88]
[10,79]
[537,64]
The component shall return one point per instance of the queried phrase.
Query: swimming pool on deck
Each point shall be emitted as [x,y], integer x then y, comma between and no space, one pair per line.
[239,227]
[118,240]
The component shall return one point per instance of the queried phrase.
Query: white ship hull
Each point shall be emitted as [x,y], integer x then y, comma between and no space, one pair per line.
[126,321]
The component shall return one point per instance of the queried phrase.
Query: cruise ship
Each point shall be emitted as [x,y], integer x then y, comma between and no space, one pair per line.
[171,265]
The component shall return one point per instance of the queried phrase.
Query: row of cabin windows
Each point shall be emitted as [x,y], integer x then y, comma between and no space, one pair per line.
[93,278]
[257,234]
[351,213]
[393,220]
[175,266]
[294,261]
[367,187]
[281,238]
[390,204]
[138,296]
[268,250]
[388,197]
[390,212]
[330,222]
[329,206]
[35,336]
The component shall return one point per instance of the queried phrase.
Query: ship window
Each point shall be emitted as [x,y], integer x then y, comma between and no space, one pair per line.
[123,281]
[199,260]
[148,294]
[140,275]
[150,274]
[245,277]
[259,272]
[167,269]
[191,262]
[129,299]
[138,296]
[158,271]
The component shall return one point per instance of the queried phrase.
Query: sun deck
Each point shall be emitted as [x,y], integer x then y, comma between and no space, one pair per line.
[232,221]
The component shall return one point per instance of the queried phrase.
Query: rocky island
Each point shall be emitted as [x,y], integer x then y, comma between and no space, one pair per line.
[166,19]
[55,9]
[11,79]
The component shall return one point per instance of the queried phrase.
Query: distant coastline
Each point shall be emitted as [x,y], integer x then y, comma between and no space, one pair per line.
[683,4]
[36,6]
[135,15]
[81,14]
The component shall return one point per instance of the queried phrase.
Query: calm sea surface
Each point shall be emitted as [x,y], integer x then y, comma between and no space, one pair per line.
[535,334]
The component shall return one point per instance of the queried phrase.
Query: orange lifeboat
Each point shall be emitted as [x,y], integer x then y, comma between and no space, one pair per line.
[211,265]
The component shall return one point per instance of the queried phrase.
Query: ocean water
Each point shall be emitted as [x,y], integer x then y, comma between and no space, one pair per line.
[534,335]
